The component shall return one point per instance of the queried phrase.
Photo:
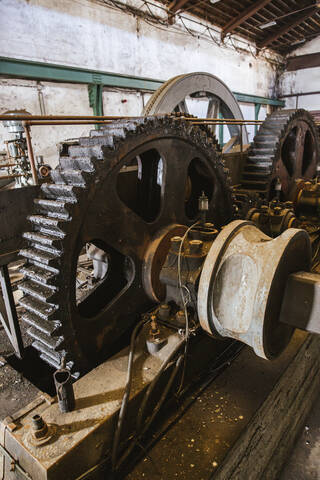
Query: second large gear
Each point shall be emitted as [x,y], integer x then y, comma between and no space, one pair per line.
[285,148]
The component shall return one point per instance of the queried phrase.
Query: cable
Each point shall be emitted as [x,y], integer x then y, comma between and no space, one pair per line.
[126,395]
[184,303]
[159,22]
[142,431]
[154,382]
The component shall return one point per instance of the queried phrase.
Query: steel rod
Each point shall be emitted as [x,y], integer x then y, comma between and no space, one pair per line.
[221,122]
[14,175]
[228,120]
[64,117]
[30,153]
[68,122]
[31,118]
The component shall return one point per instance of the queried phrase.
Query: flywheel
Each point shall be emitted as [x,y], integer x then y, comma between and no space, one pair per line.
[285,148]
[213,96]
[117,191]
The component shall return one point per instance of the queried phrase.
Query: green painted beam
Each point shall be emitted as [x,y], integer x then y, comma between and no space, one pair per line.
[243,97]
[61,73]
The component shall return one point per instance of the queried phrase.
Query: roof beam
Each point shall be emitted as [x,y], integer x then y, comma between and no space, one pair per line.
[176,5]
[311,60]
[285,28]
[243,16]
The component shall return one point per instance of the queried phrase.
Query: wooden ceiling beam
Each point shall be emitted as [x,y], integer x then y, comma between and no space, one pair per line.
[176,5]
[311,60]
[285,28]
[243,16]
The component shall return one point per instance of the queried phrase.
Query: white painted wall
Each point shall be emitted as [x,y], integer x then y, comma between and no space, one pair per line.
[87,34]
[300,81]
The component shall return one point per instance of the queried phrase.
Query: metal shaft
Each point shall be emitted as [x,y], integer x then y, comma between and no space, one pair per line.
[301,302]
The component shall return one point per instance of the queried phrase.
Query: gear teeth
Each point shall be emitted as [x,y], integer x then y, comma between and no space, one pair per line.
[46,326]
[38,291]
[265,150]
[69,177]
[95,150]
[54,343]
[46,206]
[48,240]
[50,225]
[60,191]
[44,349]
[43,310]
[38,274]
[86,164]
[40,256]
[56,364]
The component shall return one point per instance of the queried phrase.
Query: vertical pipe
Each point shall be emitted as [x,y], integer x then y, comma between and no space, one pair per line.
[30,153]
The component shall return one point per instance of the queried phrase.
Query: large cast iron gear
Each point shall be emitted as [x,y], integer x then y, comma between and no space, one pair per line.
[285,148]
[117,188]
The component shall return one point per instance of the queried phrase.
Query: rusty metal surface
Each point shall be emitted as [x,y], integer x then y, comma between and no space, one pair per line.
[242,283]
[15,206]
[301,302]
[94,200]
[285,148]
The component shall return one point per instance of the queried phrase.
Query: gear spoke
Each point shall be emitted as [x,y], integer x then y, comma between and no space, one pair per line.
[299,148]
[174,193]
[125,231]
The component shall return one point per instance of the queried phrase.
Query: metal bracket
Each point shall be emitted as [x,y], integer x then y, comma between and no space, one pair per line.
[95,99]
[8,313]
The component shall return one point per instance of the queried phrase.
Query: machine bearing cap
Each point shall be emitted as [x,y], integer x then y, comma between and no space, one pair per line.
[242,285]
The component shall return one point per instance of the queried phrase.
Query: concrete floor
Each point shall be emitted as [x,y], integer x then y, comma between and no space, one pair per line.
[304,462]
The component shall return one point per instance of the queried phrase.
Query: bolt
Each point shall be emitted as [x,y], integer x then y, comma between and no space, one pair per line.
[175,243]
[37,422]
[39,426]
[195,246]
[154,330]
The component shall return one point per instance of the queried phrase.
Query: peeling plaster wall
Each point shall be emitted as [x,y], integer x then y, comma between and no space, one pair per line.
[300,81]
[86,34]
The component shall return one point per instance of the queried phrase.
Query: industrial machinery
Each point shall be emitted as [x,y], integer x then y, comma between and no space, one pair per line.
[17,166]
[142,254]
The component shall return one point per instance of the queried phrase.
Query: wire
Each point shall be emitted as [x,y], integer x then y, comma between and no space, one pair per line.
[142,430]
[184,303]
[162,24]
[126,395]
